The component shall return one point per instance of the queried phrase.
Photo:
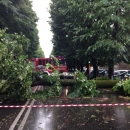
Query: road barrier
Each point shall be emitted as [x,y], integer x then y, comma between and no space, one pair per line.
[66,105]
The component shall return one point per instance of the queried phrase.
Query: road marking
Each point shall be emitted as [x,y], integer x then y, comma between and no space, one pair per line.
[18,117]
[21,126]
[21,112]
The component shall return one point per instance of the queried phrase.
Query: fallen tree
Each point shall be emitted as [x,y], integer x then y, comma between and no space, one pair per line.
[78,87]
[43,79]
[64,82]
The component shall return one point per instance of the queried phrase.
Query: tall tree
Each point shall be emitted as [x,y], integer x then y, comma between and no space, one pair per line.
[39,53]
[112,27]
[18,17]
[98,29]
[62,39]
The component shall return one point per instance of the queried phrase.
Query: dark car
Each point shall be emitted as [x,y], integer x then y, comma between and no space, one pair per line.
[102,72]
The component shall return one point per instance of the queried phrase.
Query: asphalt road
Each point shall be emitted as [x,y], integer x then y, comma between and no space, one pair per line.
[65,117]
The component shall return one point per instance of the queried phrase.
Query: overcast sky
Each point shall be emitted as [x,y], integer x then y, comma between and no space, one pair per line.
[41,8]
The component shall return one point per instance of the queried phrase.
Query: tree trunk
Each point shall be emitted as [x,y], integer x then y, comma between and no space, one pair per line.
[111,68]
[110,72]
[64,93]
[95,67]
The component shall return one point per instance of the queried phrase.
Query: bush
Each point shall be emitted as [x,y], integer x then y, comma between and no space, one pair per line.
[105,83]
[82,86]
[55,88]
[15,72]
[102,78]
[122,87]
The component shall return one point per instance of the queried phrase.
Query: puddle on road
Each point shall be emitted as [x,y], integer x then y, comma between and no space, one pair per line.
[85,118]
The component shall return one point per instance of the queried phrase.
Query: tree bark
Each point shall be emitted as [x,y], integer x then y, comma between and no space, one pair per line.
[95,67]
[111,68]
[64,82]
[110,72]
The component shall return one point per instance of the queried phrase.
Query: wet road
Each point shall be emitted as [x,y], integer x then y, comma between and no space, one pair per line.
[81,118]
[71,118]
[8,115]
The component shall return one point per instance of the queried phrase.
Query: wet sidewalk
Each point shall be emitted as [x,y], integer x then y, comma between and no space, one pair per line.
[81,117]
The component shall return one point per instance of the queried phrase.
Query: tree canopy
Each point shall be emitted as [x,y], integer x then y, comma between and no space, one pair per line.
[95,29]
[18,17]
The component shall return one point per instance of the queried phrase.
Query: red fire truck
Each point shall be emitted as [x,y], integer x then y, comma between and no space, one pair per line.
[44,61]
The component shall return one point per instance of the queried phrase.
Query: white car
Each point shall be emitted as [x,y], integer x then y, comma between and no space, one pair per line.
[120,73]
[128,73]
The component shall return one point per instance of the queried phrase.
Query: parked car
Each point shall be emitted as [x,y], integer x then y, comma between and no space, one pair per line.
[102,72]
[128,73]
[120,73]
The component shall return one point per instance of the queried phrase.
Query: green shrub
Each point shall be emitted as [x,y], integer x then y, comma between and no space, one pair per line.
[55,89]
[116,78]
[105,83]
[82,86]
[122,87]
[126,87]
[118,87]
[102,78]
[15,72]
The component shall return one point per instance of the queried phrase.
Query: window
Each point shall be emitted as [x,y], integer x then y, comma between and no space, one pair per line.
[128,72]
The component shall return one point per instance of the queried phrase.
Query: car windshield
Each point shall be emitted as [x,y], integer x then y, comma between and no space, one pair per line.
[128,72]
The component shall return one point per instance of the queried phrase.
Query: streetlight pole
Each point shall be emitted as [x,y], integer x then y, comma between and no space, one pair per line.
[88,70]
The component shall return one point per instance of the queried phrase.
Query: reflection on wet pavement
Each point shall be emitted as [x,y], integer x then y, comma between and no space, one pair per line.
[81,118]
[43,119]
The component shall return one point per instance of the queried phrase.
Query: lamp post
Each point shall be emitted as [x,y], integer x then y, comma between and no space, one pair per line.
[88,70]
[66,35]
